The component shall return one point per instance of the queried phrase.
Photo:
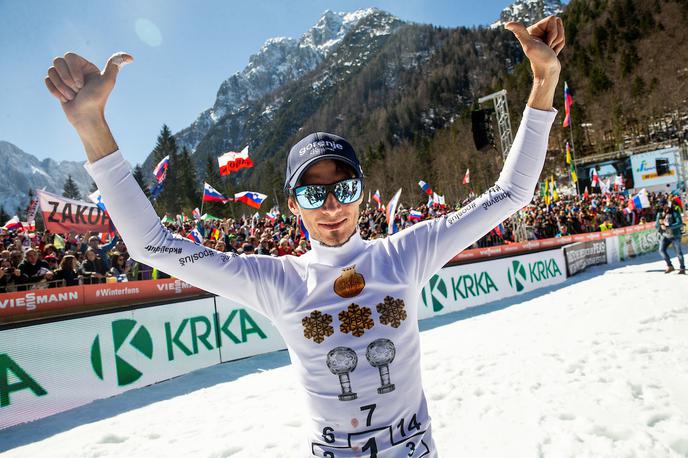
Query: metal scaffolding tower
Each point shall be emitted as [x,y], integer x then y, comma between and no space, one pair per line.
[506,139]
[503,120]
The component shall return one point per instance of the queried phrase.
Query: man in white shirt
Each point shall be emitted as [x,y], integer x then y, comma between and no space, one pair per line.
[348,308]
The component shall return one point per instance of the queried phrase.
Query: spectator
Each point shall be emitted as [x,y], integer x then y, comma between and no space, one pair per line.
[67,272]
[34,269]
[118,267]
[11,276]
[93,268]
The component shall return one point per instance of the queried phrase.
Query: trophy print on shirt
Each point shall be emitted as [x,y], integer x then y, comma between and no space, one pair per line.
[342,361]
[350,283]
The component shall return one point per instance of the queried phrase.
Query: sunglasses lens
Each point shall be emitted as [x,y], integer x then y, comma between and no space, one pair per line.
[348,191]
[310,196]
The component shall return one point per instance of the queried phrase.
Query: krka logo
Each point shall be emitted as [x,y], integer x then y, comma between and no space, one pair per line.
[536,272]
[436,283]
[121,332]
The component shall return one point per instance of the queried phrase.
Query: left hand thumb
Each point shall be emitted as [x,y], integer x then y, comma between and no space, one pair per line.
[520,31]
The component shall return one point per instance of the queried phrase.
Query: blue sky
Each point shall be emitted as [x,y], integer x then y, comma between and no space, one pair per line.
[176,73]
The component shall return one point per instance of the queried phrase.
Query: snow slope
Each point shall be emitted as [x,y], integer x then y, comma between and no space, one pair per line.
[596,368]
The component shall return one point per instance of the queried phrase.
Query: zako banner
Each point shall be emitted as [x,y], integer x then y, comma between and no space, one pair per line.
[63,215]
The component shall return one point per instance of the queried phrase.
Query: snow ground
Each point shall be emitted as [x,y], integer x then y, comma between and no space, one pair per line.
[596,367]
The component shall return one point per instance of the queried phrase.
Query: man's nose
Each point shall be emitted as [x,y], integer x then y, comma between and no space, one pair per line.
[331,203]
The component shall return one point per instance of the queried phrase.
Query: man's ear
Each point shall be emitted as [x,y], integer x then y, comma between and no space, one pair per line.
[293,206]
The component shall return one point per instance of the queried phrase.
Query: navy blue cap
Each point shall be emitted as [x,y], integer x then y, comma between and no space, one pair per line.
[316,147]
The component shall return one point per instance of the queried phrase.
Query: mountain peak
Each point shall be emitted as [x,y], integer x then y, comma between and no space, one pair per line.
[528,12]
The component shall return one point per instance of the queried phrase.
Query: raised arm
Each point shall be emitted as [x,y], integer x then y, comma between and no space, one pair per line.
[429,245]
[83,90]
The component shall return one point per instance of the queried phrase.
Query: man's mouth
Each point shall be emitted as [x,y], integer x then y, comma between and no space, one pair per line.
[332,226]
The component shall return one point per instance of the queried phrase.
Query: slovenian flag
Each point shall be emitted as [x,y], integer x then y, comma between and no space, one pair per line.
[160,170]
[377,198]
[304,231]
[250,198]
[195,235]
[568,101]
[231,161]
[211,194]
[640,200]
[196,213]
[13,224]
[391,211]
[415,215]
[425,187]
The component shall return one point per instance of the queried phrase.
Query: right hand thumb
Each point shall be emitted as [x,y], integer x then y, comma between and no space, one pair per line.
[117,60]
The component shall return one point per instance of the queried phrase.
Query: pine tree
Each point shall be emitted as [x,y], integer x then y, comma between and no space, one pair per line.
[188,182]
[143,183]
[70,189]
[93,188]
[4,217]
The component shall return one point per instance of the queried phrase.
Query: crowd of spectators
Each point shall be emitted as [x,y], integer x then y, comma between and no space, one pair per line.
[36,260]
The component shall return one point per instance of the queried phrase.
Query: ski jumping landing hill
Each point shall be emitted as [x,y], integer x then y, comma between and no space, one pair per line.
[596,368]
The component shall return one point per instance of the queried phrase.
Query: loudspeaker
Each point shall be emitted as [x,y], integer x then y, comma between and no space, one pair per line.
[482,129]
[662,166]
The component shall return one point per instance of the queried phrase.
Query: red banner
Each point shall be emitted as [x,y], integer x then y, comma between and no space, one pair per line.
[62,215]
[23,305]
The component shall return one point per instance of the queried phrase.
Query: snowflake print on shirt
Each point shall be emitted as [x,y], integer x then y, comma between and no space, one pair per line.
[391,311]
[355,320]
[316,326]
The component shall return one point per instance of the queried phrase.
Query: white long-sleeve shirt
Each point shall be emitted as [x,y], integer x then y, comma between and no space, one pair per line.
[347,314]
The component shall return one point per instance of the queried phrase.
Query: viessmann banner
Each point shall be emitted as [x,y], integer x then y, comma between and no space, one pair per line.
[460,287]
[53,367]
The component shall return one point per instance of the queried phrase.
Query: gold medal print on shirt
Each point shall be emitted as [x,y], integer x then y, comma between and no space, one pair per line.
[350,283]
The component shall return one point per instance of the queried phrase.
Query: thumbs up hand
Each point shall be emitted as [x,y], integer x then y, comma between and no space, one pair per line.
[81,87]
[541,43]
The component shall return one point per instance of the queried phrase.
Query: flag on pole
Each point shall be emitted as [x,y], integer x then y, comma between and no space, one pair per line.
[391,211]
[211,194]
[574,175]
[377,198]
[160,170]
[568,101]
[13,224]
[555,194]
[585,193]
[231,161]
[250,198]
[196,213]
[32,210]
[303,230]
[568,153]
[195,235]
[639,200]
[425,187]
[467,177]
[595,178]
[547,195]
[415,215]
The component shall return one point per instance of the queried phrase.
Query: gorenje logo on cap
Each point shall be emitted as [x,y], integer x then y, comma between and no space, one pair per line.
[320,144]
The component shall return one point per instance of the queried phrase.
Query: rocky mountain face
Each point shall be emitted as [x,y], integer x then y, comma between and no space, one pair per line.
[279,60]
[22,171]
[528,12]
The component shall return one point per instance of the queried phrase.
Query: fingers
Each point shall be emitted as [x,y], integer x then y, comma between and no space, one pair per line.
[53,90]
[561,40]
[55,79]
[117,60]
[520,31]
[63,70]
[76,66]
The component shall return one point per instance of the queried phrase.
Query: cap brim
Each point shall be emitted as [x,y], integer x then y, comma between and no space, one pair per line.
[296,176]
